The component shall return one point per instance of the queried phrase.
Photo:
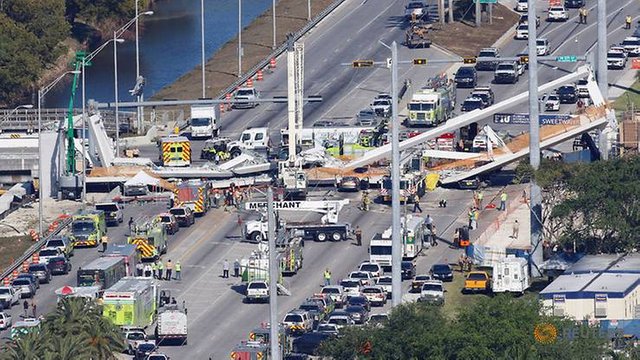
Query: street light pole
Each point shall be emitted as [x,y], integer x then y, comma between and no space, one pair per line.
[139,109]
[84,136]
[273,20]
[202,46]
[273,278]
[396,236]
[601,72]
[115,81]
[239,38]
[308,10]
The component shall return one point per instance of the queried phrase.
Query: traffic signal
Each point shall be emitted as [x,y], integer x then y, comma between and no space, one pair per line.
[362,63]
[524,59]
[469,60]
[419,61]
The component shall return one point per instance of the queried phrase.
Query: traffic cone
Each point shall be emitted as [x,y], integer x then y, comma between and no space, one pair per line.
[36,258]
[222,108]
[272,63]
[25,266]
[6,281]
[259,75]
[14,274]
[250,82]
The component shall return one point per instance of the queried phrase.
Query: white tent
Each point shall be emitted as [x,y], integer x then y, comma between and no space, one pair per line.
[142,178]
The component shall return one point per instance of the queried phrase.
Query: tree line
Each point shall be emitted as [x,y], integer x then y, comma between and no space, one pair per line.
[33,34]
[501,327]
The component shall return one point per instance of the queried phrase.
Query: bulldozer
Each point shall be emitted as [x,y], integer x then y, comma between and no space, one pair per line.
[416,35]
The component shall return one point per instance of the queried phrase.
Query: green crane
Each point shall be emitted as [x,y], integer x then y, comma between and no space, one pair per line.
[71,148]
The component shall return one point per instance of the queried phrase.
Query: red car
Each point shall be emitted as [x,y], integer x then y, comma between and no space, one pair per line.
[169,221]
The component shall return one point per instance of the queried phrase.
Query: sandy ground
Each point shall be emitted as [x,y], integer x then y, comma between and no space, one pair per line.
[257,39]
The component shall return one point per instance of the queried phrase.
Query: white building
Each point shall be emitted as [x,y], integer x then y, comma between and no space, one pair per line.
[598,287]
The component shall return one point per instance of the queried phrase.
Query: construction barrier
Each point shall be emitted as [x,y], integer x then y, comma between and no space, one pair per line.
[36,258]
[54,225]
[14,274]
[222,108]
[259,75]
[34,235]
[6,281]
[250,82]
[25,266]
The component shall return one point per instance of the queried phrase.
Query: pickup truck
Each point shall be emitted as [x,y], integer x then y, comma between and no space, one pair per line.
[477,281]
[112,213]
[8,297]
[506,72]
[257,291]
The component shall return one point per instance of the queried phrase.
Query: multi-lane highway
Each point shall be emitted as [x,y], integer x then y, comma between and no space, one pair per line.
[218,318]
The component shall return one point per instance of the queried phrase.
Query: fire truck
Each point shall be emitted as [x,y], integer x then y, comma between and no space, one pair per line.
[193,194]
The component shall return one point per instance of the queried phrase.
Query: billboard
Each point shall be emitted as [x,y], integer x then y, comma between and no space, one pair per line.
[545,119]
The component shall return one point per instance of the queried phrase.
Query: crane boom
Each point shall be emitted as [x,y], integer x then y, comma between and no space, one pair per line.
[71,148]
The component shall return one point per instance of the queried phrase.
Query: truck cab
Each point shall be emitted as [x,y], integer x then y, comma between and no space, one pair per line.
[112,213]
[88,228]
[203,122]
[477,281]
[256,139]
[506,72]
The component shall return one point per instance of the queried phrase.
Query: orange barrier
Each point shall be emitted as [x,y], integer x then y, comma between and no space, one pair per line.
[6,281]
[222,108]
[259,75]
[272,63]
[15,274]
[250,82]
[25,266]
[34,235]
[36,258]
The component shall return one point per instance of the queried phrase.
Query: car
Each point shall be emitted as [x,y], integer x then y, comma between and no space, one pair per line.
[382,107]
[257,290]
[157,356]
[132,337]
[542,47]
[416,284]
[336,293]
[32,277]
[524,20]
[169,221]
[60,242]
[349,183]
[616,59]
[385,283]
[365,122]
[41,271]
[351,287]
[8,297]
[471,103]
[245,96]
[297,322]
[359,300]
[466,77]
[367,113]
[568,94]
[522,6]
[24,286]
[415,9]
[143,350]
[408,270]
[113,214]
[364,275]
[631,45]
[327,328]
[315,310]
[340,319]
[358,313]
[184,215]
[384,96]
[59,265]
[581,86]
[488,64]
[372,268]
[323,123]
[574,4]
[557,13]
[5,320]
[507,72]
[552,102]
[485,97]
[48,253]
[325,300]
[522,32]
[432,292]
[442,272]
[375,294]
[378,319]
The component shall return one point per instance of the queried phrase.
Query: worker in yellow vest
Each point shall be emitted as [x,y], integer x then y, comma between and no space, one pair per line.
[178,270]
[627,22]
[503,201]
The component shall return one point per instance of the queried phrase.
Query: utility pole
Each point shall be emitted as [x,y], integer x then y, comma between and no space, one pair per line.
[204,86]
[273,279]
[535,193]
[273,20]
[601,70]
[396,236]
[239,38]
[308,10]
[479,13]
[490,5]
[441,11]
[450,11]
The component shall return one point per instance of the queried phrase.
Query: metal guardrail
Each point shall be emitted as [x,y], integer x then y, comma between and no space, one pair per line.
[35,247]
[279,50]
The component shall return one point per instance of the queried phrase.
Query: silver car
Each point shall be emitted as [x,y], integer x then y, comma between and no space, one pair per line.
[24,286]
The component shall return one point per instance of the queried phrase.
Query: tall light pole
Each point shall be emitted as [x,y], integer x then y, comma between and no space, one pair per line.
[273,278]
[202,46]
[41,93]
[308,10]
[239,38]
[26,106]
[273,20]
[601,70]
[535,193]
[115,83]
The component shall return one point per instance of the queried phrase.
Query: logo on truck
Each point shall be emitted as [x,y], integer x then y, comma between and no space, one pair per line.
[276,205]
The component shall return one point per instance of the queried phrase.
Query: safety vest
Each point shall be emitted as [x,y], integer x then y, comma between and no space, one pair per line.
[628,19]
[470,214]
[154,267]
[480,195]
[160,266]
[503,197]
[178,266]
[327,274]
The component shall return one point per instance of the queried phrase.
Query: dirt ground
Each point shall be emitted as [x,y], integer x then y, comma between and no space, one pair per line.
[464,39]
[221,68]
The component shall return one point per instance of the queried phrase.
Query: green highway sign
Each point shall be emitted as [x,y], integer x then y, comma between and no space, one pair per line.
[567,58]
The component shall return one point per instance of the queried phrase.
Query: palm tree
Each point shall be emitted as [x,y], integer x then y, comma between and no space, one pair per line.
[102,338]
[27,347]
[65,348]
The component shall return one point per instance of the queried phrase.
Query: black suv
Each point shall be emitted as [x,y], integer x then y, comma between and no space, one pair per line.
[466,77]
[568,94]
[573,4]
[442,272]
[408,270]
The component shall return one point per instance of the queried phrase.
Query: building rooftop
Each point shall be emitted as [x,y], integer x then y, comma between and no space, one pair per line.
[617,263]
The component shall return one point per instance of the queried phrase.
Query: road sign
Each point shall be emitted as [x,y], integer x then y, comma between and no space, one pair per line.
[567,58]
[635,64]
[545,119]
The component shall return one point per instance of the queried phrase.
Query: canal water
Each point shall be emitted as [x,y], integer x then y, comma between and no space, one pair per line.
[169,48]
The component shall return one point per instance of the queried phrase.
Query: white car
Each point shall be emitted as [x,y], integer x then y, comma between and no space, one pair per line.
[581,86]
[552,103]
[385,283]
[5,320]
[382,107]
[375,294]
[9,296]
[523,6]
[48,253]
[432,292]
[257,291]
[542,47]
[365,276]
[340,320]
[557,13]
[133,337]
[372,268]
[336,293]
[522,32]
[631,45]
[616,59]
[351,287]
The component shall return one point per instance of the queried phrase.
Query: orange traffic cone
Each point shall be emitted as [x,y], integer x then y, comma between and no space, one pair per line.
[259,75]
[272,63]
[250,82]
[222,108]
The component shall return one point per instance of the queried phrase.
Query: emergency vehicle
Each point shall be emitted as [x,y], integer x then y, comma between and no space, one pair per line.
[88,228]
[175,151]
[132,301]
[433,104]
[410,184]
[193,194]
[150,237]
[413,235]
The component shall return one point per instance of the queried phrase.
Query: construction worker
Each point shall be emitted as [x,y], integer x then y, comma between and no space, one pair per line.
[178,270]
[154,269]
[236,268]
[416,203]
[327,277]
[358,233]
[627,22]
[583,15]
[160,267]
[169,267]
[130,224]
[365,201]
[480,197]
[461,262]
[434,235]
[470,216]
[503,201]
[105,240]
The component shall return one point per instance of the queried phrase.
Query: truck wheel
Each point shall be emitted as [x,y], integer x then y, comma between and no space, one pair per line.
[235,153]
[321,237]
[256,236]
[336,236]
